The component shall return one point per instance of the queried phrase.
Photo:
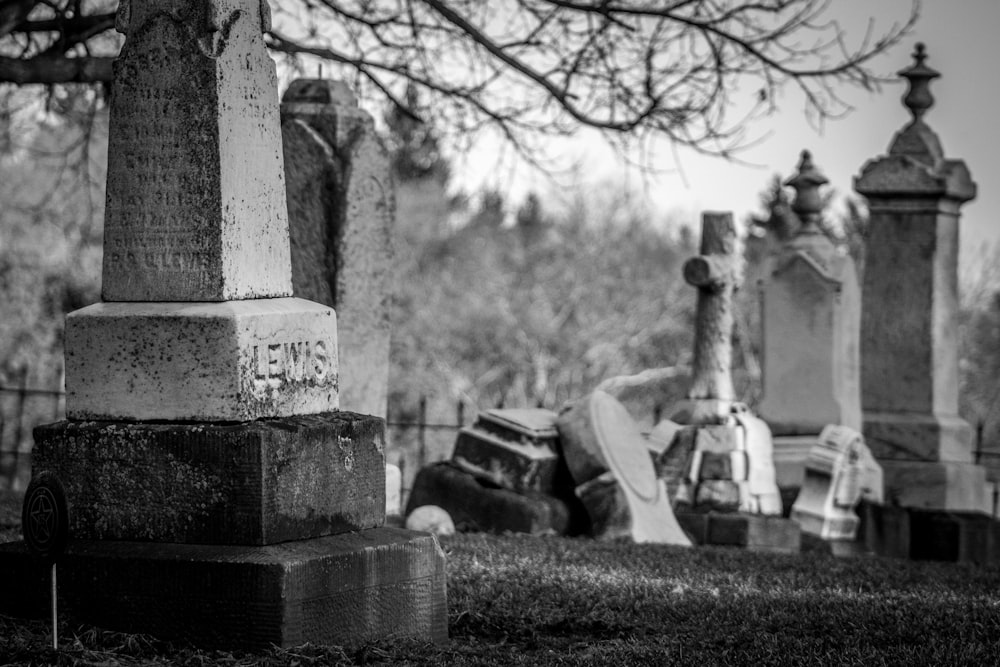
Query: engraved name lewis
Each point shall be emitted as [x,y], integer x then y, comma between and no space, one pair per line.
[304,363]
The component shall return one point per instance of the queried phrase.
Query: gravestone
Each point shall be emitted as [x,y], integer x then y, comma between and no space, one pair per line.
[909,326]
[218,496]
[609,461]
[730,464]
[341,210]
[840,473]
[811,335]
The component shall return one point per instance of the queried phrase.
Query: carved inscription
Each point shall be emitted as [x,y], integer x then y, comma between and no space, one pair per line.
[163,192]
[297,362]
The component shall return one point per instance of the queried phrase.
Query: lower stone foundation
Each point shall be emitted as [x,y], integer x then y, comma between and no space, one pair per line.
[345,589]
[755,532]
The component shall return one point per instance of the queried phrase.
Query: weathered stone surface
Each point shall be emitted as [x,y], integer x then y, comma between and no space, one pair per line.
[512,465]
[905,436]
[754,532]
[790,455]
[477,504]
[195,195]
[229,361]
[730,466]
[253,483]
[839,473]
[957,487]
[647,395]
[902,532]
[346,590]
[613,515]
[811,347]
[670,458]
[341,211]
[598,436]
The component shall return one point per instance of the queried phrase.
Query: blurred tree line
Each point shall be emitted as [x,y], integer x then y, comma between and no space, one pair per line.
[495,303]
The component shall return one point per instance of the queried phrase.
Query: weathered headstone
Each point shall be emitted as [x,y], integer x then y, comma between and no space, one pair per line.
[840,473]
[220,465]
[909,339]
[730,459]
[811,324]
[610,463]
[341,210]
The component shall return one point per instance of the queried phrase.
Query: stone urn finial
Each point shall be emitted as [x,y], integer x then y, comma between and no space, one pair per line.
[807,204]
[918,98]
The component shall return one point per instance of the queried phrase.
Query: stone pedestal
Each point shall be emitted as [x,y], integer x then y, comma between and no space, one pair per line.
[909,346]
[345,589]
[229,361]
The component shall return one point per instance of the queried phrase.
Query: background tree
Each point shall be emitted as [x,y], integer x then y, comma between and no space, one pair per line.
[523,68]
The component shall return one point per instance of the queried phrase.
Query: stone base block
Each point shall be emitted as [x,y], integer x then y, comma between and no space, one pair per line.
[519,466]
[962,537]
[229,361]
[477,504]
[254,483]
[921,437]
[937,485]
[755,532]
[344,590]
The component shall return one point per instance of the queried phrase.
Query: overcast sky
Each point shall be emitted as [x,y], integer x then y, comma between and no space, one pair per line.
[963,44]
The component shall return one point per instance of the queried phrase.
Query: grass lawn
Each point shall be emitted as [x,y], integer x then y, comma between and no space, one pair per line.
[516,600]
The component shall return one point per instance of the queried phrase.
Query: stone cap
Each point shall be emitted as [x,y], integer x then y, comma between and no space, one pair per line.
[915,165]
[315,95]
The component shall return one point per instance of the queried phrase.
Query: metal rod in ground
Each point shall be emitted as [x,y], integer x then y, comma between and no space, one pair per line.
[421,434]
[55,630]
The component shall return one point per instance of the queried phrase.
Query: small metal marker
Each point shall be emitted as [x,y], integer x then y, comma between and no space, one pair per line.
[45,524]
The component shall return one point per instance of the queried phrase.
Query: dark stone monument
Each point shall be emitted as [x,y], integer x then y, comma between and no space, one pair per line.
[220,498]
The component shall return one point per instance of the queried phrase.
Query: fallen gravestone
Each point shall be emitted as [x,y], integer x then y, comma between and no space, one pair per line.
[610,463]
[505,474]
[218,495]
[840,473]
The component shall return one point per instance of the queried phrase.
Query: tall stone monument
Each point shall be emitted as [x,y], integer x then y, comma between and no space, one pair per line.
[811,317]
[909,327]
[216,494]
[341,211]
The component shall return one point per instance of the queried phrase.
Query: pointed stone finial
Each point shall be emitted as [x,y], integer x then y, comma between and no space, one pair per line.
[918,98]
[807,204]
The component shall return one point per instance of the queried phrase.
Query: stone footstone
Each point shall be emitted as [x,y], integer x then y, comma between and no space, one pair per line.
[790,455]
[476,503]
[253,483]
[755,532]
[231,361]
[345,589]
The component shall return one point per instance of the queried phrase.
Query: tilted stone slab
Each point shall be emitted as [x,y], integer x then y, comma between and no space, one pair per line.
[254,483]
[346,589]
[598,432]
[231,361]
[195,194]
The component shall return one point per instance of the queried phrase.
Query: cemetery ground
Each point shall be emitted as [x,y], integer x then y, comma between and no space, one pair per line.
[519,600]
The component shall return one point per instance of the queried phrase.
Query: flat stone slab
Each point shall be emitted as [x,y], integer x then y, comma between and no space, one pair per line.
[478,504]
[755,532]
[232,361]
[345,590]
[254,483]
